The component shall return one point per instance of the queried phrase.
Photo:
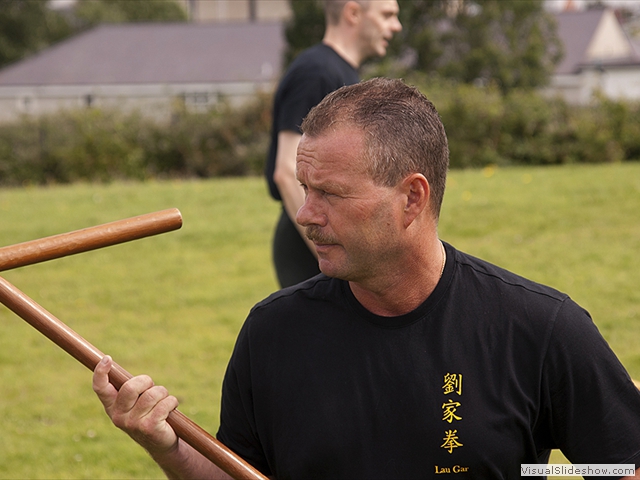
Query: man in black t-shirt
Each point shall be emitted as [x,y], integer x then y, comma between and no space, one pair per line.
[355,30]
[406,359]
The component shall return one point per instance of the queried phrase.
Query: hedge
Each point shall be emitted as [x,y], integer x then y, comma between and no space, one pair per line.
[484,128]
[524,128]
[105,145]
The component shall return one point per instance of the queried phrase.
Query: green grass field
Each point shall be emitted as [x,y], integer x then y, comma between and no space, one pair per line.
[171,305]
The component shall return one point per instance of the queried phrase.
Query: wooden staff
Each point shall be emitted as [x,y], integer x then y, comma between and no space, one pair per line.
[89,356]
[91,238]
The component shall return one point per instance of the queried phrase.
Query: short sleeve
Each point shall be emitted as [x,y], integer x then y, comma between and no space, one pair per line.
[591,408]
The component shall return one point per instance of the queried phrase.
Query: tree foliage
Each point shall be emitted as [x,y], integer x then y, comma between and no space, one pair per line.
[305,28]
[92,12]
[511,43]
[27,26]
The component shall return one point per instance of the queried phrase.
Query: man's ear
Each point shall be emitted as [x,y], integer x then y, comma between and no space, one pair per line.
[351,12]
[418,193]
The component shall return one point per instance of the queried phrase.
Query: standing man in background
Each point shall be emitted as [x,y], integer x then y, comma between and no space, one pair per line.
[355,30]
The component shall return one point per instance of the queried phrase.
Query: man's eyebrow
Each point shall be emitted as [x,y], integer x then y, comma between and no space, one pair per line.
[333,187]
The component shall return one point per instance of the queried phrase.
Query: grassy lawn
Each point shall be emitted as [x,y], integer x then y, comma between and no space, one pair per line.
[171,305]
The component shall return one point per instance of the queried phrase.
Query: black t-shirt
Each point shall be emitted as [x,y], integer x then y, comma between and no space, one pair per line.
[492,371]
[315,73]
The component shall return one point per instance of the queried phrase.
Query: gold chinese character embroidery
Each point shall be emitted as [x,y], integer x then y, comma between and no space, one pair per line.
[449,411]
[452,383]
[451,440]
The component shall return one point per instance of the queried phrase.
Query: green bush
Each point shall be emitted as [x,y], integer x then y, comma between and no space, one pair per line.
[524,128]
[474,120]
[94,145]
[221,142]
[484,127]
[105,145]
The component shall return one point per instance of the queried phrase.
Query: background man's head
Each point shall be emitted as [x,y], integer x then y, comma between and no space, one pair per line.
[402,130]
[375,22]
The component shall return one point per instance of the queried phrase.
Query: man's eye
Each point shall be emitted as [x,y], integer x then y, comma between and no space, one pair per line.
[329,194]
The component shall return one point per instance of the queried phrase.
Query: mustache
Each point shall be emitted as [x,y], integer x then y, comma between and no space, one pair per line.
[316,235]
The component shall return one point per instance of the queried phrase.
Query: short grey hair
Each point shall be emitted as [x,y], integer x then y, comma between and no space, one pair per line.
[333,9]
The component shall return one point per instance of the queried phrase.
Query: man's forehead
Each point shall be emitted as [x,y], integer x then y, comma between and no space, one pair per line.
[384,5]
[339,149]
[336,133]
[325,147]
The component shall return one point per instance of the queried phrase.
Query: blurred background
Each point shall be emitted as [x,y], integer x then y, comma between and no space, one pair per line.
[105,89]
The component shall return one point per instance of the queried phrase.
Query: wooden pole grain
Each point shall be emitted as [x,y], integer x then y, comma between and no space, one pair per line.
[92,238]
[76,346]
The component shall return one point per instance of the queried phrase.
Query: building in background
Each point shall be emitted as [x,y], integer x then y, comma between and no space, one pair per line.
[229,50]
[154,68]
[220,10]
[599,58]
[237,10]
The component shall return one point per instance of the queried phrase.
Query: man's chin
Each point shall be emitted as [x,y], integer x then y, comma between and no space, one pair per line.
[328,268]
[382,51]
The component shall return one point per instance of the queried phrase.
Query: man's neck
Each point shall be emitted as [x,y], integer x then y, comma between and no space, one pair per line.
[343,48]
[405,290]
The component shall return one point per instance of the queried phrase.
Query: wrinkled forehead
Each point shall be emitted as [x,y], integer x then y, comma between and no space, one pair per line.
[334,150]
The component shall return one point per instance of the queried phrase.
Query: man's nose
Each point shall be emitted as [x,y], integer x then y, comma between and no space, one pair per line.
[396,26]
[309,213]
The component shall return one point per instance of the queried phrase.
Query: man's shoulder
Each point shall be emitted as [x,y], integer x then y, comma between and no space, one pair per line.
[300,295]
[513,302]
[321,60]
[313,74]
[473,268]
[317,54]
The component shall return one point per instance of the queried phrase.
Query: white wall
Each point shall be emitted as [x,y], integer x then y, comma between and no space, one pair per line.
[157,101]
[617,83]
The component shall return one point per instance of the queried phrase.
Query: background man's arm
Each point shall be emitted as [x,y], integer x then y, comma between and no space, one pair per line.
[285,178]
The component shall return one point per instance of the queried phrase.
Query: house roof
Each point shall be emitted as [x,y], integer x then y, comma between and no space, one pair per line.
[157,53]
[575,30]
